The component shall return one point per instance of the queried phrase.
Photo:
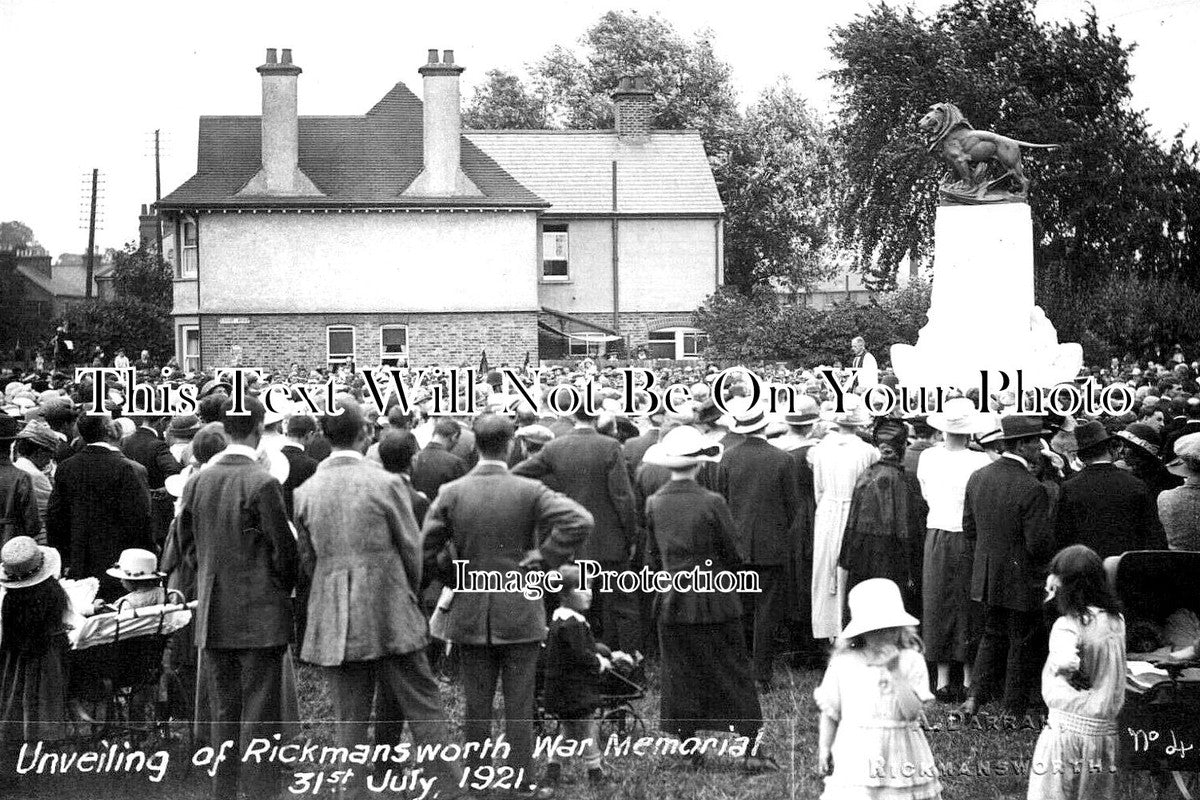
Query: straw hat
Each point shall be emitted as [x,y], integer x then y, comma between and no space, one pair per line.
[1187,456]
[1021,426]
[135,565]
[23,563]
[41,434]
[875,604]
[958,415]
[1141,435]
[535,433]
[854,412]
[752,420]
[683,447]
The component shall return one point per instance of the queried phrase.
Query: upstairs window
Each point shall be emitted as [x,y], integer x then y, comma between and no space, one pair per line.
[340,345]
[189,252]
[393,346]
[555,253]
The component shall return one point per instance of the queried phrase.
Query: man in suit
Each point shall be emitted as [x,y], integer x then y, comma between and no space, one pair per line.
[234,517]
[100,505]
[1188,423]
[636,447]
[590,468]
[868,368]
[301,429]
[360,547]
[147,447]
[436,465]
[1104,506]
[762,487]
[1006,516]
[494,519]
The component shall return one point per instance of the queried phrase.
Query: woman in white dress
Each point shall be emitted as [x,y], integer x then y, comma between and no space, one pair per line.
[837,461]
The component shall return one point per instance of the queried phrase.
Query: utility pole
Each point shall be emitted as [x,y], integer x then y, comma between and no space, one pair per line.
[91,250]
[157,196]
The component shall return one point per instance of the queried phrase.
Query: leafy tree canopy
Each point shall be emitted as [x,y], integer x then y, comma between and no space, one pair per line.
[139,274]
[1113,200]
[15,235]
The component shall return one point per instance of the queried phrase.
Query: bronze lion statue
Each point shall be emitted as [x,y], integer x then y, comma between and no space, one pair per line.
[971,153]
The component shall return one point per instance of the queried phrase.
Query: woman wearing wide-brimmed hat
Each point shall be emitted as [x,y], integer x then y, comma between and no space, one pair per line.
[1179,508]
[837,461]
[950,627]
[33,646]
[707,677]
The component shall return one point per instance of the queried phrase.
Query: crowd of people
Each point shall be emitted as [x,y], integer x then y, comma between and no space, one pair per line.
[331,539]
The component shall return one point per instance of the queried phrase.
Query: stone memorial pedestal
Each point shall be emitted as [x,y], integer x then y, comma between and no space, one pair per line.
[982,315]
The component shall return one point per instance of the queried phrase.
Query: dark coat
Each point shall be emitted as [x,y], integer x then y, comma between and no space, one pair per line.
[494,518]
[148,449]
[18,506]
[688,526]
[1006,516]
[301,467]
[246,564]
[760,483]
[881,538]
[100,506]
[435,466]
[572,668]
[1110,511]
[589,467]
[636,448]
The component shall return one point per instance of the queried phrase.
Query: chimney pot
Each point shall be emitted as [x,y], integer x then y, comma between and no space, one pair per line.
[433,56]
[287,56]
[271,55]
[448,57]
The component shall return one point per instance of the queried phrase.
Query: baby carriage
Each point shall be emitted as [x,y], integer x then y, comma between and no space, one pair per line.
[619,690]
[116,666]
[1159,726]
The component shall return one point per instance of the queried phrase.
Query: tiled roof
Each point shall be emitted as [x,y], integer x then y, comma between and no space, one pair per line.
[51,287]
[668,173]
[363,161]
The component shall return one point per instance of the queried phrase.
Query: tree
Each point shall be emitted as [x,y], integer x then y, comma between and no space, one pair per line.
[503,101]
[15,236]
[775,181]
[770,165]
[124,323]
[1113,199]
[139,274]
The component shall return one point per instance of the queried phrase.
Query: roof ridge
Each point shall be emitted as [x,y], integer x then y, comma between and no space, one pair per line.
[571,131]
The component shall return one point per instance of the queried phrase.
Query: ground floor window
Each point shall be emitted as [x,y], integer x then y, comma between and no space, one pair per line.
[339,341]
[677,343]
[189,348]
[393,346]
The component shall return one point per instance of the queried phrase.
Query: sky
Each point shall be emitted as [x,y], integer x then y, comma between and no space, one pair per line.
[84,84]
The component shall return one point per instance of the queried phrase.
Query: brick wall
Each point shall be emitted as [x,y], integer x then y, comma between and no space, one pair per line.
[274,341]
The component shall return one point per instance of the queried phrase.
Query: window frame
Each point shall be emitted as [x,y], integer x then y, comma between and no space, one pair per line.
[555,228]
[184,247]
[384,356]
[679,334]
[333,361]
[184,358]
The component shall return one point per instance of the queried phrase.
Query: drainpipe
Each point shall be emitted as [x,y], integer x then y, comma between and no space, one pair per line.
[616,257]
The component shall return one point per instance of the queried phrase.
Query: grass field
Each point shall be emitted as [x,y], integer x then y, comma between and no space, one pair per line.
[790,736]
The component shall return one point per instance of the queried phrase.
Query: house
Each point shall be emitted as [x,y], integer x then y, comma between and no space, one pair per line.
[396,237]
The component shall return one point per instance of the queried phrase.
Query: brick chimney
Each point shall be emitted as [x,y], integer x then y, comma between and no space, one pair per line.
[280,173]
[148,228]
[633,106]
[442,132]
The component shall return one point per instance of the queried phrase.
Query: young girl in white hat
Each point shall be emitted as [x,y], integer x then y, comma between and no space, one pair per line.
[871,701]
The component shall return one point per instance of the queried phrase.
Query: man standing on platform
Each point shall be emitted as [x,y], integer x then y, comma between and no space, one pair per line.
[868,369]
[1006,513]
